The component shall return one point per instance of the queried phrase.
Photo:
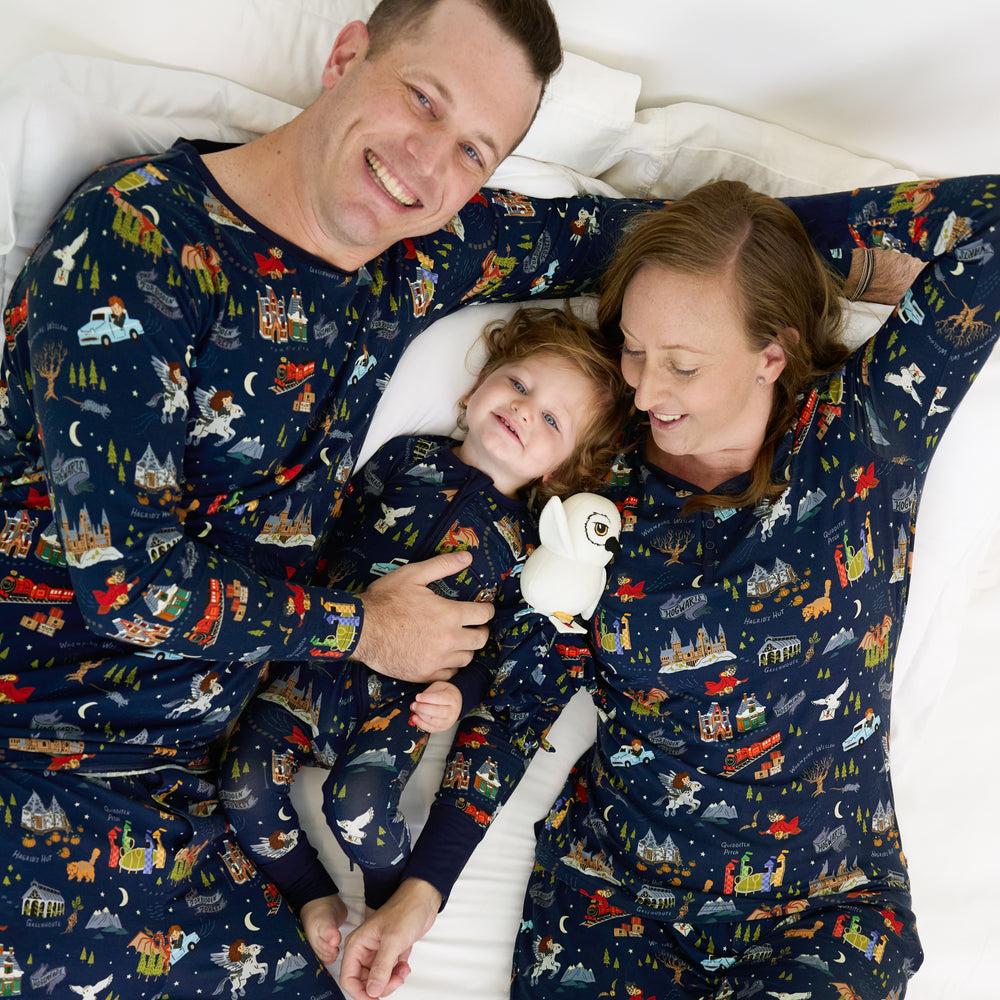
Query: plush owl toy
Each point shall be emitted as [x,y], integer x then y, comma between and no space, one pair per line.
[565,577]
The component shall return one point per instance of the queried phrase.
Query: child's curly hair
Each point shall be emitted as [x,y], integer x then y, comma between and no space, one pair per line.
[559,333]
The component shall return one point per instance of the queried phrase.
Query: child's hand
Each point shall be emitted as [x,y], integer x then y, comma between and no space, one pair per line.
[437,707]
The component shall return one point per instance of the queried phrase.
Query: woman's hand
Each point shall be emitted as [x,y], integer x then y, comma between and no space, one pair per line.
[375,954]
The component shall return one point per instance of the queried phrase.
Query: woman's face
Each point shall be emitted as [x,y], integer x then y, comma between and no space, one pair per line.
[687,355]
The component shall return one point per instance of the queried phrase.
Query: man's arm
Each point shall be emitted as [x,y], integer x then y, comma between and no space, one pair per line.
[407,631]
[884,277]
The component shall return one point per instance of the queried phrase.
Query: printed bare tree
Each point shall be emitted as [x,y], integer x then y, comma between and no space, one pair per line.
[678,967]
[672,543]
[963,328]
[48,363]
[818,773]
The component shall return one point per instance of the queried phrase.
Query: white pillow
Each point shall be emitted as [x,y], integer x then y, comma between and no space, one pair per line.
[586,112]
[670,151]
[278,48]
[275,47]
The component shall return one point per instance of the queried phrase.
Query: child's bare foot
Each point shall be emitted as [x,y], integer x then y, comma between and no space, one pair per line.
[321,920]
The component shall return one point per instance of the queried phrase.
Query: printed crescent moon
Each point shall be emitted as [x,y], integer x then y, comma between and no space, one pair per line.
[81,711]
[281,814]
[836,810]
[857,604]
[562,924]
[124,901]
[72,433]
[843,958]
[152,213]
[959,268]
[324,457]
[606,811]
[250,924]
[248,383]
[696,582]
[204,531]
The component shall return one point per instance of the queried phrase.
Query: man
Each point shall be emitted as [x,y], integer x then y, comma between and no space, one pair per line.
[280,281]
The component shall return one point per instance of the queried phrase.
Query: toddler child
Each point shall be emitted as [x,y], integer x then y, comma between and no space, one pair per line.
[544,412]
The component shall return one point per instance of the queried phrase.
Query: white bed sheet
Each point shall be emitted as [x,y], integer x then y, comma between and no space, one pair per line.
[233,67]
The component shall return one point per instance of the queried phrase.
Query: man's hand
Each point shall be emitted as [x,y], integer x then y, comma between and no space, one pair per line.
[437,707]
[410,632]
[375,954]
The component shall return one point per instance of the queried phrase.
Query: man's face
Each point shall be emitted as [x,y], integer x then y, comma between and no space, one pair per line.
[399,142]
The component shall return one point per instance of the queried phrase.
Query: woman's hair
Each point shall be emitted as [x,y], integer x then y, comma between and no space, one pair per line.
[782,286]
[530,23]
[559,333]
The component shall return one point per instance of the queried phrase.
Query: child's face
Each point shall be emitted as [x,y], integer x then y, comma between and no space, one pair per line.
[524,420]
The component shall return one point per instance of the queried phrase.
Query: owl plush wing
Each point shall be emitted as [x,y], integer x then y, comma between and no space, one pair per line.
[588,612]
[553,529]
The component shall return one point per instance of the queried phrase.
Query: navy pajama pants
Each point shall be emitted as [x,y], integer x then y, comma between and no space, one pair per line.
[836,948]
[134,887]
[353,723]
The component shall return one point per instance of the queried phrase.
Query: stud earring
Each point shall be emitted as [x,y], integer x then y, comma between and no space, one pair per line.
[761,380]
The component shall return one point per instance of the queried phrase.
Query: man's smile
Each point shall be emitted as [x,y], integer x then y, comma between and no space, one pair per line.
[388,182]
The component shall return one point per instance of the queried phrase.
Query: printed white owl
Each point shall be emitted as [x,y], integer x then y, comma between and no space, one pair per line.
[565,576]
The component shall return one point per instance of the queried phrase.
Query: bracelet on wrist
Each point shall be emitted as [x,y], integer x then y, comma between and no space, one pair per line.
[867,273]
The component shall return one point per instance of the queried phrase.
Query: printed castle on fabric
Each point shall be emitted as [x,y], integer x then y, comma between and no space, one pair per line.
[199,389]
[741,660]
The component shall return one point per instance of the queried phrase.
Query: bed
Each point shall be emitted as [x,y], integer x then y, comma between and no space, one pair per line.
[650,102]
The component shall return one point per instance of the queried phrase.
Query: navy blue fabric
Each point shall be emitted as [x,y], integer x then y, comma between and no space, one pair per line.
[571,938]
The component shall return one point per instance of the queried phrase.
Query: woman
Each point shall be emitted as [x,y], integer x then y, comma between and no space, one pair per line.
[732,830]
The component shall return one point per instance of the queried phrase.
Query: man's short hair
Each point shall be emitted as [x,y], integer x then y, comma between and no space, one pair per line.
[530,23]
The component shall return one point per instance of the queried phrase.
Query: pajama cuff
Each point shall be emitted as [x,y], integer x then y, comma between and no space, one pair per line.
[443,848]
[300,878]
